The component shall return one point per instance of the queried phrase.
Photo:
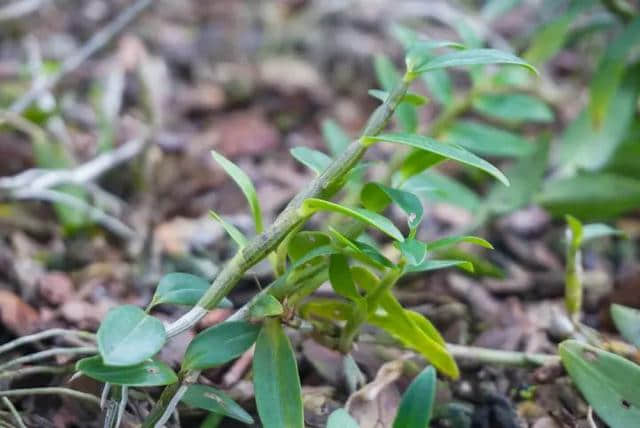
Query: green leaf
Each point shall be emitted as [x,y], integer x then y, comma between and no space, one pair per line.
[305,241]
[416,407]
[235,234]
[216,401]
[448,190]
[361,250]
[266,306]
[420,52]
[326,309]
[418,161]
[429,265]
[244,182]
[219,344]
[312,159]
[609,383]
[411,98]
[590,196]
[453,240]
[182,289]
[128,336]
[413,251]
[376,197]
[340,277]
[471,57]
[513,107]
[627,321]
[336,138]
[526,177]
[599,230]
[339,418]
[487,140]
[275,379]
[548,40]
[312,205]
[147,373]
[449,151]
[610,71]
[440,86]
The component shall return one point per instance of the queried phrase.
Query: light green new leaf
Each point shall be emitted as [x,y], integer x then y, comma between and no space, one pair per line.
[446,189]
[312,205]
[487,140]
[449,151]
[275,379]
[312,159]
[182,289]
[610,71]
[244,182]
[609,382]
[376,197]
[219,344]
[590,196]
[340,277]
[128,336]
[513,108]
[336,138]
[339,418]
[235,234]
[453,240]
[472,57]
[416,406]
[147,373]
[413,251]
[216,401]
[627,321]
[412,98]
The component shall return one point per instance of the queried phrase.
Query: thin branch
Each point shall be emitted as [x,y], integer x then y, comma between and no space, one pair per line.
[52,390]
[26,371]
[97,42]
[49,353]
[46,334]
[14,412]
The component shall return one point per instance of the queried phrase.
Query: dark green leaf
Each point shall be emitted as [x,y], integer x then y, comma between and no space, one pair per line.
[487,140]
[340,277]
[610,383]
[147,373]
[216,401]
[416,406]
[339,418]
[471,57]
[449,151]
[590,197]
[312,205]
[237,236]
[182,289]
[275,379]
[219,344]
[376,197]
[128,336]
[245,184]
[513,107]
[627,321]
[312,159]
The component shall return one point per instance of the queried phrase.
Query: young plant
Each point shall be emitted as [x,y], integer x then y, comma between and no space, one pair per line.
[361,276]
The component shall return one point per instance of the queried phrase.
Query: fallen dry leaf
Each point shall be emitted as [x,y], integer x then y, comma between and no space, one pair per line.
[16,315]
[55,287]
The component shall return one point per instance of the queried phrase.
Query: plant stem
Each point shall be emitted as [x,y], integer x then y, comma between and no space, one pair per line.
[45,335]
[324,185]
[51,391]
[14,412]
[25,371]
[49,353]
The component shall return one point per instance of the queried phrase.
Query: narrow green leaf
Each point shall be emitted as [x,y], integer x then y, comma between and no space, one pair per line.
[216,401]
[412,98]
[440,86]
[610,383]
[450,151]
[275,379]
[305,241]
[416,407]
[413,251]
[453,240]
[376,197]
[610,71]
[548,40]
[147,373]
[339,418]
[472,57]
[266,306]
[487,140]
[513,107]
[362,251]
[429,265]
[312,159]
[340,277]
[627,321]
[244,182]
[418,161]
[235,234]
[590,196]
[420,52]
[312,205]
[599,230]
[336,138]
[182,289]
[219,344]
[128,336]
[448,190]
